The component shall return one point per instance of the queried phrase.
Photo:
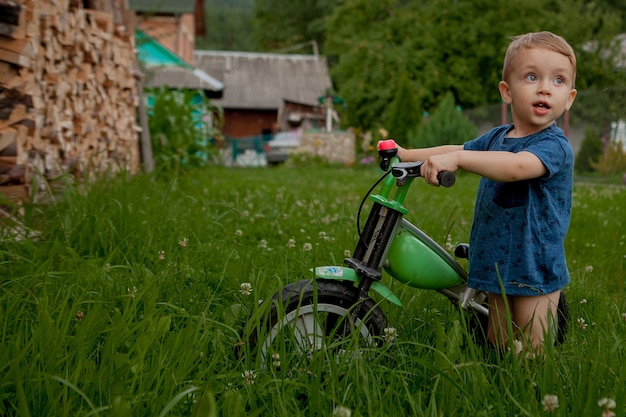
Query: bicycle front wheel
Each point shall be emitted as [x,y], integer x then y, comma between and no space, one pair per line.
[312,316]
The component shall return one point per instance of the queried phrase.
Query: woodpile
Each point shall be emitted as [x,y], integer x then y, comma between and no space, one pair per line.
[68,94]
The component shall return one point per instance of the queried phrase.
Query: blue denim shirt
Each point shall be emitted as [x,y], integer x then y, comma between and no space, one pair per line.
[519,228]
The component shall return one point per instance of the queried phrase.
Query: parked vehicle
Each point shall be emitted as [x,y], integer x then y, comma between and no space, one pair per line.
[278,148]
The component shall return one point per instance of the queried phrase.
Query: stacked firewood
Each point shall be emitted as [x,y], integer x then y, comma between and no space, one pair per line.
[67,94]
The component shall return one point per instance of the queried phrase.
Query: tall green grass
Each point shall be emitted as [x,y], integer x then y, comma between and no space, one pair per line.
[125,300]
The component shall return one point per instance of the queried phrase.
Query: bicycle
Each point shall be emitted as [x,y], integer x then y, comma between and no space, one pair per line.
[312,314]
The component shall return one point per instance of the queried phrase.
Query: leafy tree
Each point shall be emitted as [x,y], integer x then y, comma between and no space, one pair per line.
[451,46]
[361,37]
[228,26]
[447,126]
[281,24]
[404,112]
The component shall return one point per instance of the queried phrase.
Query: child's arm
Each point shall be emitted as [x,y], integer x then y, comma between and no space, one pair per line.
[422,154]
[495,165]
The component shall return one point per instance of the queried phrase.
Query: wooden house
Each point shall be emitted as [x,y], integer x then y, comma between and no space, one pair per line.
[173,23]
[262,91]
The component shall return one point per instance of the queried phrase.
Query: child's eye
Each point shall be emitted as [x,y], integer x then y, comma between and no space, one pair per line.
[531,77]
[559,80]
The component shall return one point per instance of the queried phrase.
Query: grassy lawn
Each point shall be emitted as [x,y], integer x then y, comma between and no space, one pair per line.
[125,300]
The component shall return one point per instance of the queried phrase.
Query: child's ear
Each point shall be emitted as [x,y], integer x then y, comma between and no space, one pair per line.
[505,92]
[570,100]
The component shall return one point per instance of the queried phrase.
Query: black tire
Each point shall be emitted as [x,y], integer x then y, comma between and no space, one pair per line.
[309,316]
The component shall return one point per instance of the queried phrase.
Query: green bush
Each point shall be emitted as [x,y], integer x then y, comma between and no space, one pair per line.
[446,126]
[613,161]
[183,129]
[590,150]
[403,116]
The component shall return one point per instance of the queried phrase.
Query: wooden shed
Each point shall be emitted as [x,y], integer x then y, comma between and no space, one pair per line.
[68,95]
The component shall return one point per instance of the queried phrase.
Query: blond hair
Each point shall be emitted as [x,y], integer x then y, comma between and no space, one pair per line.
[543,39]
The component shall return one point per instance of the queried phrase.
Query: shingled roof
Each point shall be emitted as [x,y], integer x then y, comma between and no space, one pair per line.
[262,80]
[165,68]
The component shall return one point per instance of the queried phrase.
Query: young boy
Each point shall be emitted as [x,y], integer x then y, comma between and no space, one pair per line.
[523,204]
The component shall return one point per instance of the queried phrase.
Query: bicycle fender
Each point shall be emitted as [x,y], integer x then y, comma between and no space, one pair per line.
[342,273]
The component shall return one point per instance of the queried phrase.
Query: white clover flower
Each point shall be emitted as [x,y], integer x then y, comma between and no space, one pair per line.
[291,243]
[347,253]
[518,346]
[307,247]
[341,411]
[583,301]
[607,405]
[263,243]
[183,242]
[276,359]
[550,403]
[238,233]
[245,288]
[390,334]
[624,316]
[249,376]
[581,323]
[132,292]
[161,255]
[589,269]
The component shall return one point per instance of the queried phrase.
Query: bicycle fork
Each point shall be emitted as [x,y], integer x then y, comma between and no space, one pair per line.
[373,245]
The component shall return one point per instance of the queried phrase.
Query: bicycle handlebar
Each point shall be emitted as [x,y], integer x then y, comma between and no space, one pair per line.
[403,170]
[388,149]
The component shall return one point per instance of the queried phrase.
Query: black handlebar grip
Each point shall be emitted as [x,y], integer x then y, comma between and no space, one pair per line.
[446,178]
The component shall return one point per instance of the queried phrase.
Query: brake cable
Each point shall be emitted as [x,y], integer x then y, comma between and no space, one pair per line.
[358,214]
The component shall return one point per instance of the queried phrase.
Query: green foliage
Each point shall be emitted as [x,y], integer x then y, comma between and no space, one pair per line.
[231,4]
[365,48]
[447,45]
[447,126]
[183,129]
[590,150]
[612,161]
[404,114]
[227,24]
[280,24]
[227,28]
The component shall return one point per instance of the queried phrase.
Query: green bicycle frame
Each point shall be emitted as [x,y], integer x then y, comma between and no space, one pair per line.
[390,242]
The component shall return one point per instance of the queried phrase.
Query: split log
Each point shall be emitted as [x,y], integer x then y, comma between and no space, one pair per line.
[67,92]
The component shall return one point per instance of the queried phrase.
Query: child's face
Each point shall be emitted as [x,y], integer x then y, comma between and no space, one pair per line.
[539,89]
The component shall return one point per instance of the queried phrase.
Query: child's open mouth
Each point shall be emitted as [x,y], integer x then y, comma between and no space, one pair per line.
[542,105]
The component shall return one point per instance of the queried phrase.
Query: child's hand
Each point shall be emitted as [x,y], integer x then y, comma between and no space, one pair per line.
[431,168]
